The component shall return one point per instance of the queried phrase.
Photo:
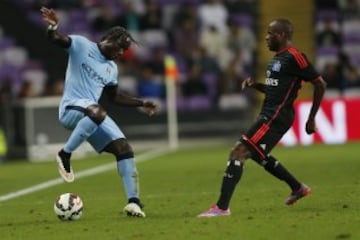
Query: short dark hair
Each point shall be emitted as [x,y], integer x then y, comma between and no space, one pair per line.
[120,35]
[285,26]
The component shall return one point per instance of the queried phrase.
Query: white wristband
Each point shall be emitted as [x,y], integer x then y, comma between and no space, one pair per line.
[53,27]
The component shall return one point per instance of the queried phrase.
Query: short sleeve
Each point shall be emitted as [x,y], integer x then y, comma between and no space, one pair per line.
[303,68]
[114,77]
[78,43]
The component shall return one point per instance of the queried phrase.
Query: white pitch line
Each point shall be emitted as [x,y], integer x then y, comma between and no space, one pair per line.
[81,174]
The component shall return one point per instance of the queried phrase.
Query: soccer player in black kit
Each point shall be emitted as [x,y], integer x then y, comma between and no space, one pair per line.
[285,72]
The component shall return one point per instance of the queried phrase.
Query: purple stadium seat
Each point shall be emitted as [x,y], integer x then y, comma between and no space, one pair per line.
[326,55]
[79,26]
[166,2]
[32,65]
[351,37]
[12,73]
[6,42]
[244,20]
[35,17]
[327,51]
[181,103]
[116,6]
[322,15]
[355,59]
[198,103]
[211,83]
[77,15]
[180,63]
[193,2]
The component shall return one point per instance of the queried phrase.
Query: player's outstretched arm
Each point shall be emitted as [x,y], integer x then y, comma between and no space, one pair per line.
[250,83]
[129,101]
[51,19]
[319,89]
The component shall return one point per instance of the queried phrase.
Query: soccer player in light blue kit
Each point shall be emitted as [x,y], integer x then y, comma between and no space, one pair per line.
[90,71]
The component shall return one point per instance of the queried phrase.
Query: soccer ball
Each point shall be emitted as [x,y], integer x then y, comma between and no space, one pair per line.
[68,206]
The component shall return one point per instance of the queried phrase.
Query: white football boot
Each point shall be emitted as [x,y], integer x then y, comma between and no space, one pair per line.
[134,210]
[67,176]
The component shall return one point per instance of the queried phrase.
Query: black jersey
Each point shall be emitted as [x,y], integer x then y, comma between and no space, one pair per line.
[284,75]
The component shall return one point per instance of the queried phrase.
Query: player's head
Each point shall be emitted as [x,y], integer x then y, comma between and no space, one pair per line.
[115,41]
[279,34]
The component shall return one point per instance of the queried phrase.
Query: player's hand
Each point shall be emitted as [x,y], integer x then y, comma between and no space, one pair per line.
[49,16]
[249,82]
[150,108]
[310,126]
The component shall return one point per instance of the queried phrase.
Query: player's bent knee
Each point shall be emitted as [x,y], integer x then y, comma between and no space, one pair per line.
[254,153]
[239,152]
[96,113]
[124,145]
[120,148]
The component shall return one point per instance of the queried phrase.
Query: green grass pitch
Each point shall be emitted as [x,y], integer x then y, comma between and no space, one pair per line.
[179,185]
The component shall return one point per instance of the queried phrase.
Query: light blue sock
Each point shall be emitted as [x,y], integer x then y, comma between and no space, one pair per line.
[84,129]
[127,170]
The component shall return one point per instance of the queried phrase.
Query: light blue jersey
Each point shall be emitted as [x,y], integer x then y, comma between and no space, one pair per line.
[88,72]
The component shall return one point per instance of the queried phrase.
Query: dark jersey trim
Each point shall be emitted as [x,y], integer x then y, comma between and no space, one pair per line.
[299,58]
[260,133]
[283,102]
[77,108]
[254,146]
[265,127]
[283,50]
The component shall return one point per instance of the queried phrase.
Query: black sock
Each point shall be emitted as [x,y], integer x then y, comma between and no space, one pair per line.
[65,157]
[278,170]
[137,201]
[231,177]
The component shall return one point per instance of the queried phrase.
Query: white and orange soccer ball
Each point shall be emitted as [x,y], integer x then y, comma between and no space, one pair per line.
[68,206]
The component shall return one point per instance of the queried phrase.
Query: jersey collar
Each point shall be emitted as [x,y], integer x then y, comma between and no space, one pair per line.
[283,50]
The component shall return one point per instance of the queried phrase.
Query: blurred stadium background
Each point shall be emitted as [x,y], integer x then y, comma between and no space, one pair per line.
[216,44]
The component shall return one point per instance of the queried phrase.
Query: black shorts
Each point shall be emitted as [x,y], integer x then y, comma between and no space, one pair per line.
[263,135]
